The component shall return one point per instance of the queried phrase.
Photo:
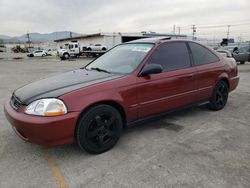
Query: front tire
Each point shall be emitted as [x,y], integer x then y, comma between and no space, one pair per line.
[99,129]
[66,56]
[219,97]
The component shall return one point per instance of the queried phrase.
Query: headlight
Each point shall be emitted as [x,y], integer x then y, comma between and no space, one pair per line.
[46,107]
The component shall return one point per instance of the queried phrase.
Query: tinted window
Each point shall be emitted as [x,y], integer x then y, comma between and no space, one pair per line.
[243,49]
[76,46]
[202,55]
[171,56]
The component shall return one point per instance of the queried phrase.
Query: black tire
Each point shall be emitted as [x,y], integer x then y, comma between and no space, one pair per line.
[242,62]
[99,129]
[219,97]
[43,55]
[104,48]
[65,56]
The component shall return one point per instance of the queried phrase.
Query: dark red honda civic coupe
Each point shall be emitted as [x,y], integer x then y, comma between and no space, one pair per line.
[131,82]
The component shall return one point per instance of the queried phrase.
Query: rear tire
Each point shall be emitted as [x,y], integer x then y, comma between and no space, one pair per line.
[219,97]
[99,129]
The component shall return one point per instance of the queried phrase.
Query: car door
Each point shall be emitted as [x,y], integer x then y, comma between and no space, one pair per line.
[208,69]
[172,88]
[241,54]
[37,53]
[71,49]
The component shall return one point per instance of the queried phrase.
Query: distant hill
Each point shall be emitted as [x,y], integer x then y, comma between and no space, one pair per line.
[38,37]
[4,37]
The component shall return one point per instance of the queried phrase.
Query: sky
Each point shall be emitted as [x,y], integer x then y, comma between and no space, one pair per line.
[211,17]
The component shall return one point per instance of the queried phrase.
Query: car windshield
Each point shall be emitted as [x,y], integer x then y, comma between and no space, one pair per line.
[122,59]
[65,46]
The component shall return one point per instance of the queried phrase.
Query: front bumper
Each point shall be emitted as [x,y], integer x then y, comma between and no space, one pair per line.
[45,131]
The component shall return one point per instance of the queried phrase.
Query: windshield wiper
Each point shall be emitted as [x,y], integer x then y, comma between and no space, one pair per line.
[100,70]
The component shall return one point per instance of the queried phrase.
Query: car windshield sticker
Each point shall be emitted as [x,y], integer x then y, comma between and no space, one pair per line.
[141,49]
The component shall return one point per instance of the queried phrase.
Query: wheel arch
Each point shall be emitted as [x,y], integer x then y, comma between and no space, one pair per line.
[224,79]
[112,103]
[65,53]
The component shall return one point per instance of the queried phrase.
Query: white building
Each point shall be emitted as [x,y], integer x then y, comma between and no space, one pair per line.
[111,39]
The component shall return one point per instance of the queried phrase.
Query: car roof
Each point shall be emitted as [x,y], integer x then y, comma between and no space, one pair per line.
[156,40]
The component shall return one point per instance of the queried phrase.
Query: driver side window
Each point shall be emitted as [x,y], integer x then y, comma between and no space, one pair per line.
[171,56]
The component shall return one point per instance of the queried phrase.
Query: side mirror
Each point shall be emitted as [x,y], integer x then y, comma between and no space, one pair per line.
[150,69]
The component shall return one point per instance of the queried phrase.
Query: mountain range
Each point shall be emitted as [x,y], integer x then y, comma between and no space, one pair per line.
[39,37]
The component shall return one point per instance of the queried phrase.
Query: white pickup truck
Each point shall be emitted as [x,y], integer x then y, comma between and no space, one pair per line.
[73,49]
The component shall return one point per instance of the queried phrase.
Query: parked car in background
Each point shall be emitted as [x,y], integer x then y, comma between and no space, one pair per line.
[225,53]
[131,82]
[229,48]
[2,48]
[97,47]
[51,52]
[37,53]
[240,53]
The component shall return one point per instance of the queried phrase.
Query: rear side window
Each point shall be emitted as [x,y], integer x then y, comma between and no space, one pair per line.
[202,55]
[244,49]
[171,56]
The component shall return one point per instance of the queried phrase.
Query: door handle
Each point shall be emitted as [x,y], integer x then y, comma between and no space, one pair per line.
[190,76]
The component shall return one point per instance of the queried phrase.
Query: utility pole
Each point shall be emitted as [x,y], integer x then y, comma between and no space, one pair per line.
[70,34]
[228,31]
[194,31]
[174,29]
[179,30]
[28,37]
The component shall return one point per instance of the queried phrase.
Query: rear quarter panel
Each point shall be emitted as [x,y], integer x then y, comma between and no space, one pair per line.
[208,75]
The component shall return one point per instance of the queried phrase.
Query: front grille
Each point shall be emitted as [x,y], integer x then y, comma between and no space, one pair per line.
[15,102]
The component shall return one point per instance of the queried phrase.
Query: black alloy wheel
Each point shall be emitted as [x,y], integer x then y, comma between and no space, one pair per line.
[219,97]
[99,129]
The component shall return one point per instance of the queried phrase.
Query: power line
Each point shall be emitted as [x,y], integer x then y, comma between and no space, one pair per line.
[218,26]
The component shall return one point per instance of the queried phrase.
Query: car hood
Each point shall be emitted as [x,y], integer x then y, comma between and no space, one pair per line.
[61,84]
